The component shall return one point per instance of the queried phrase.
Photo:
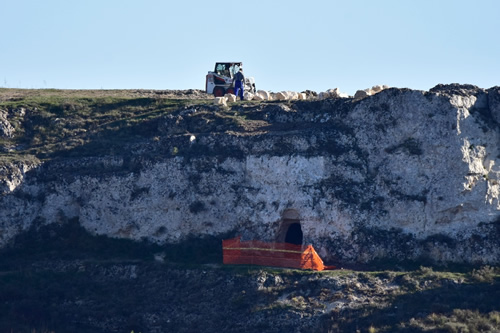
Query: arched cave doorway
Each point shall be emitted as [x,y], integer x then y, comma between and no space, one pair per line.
[290,230]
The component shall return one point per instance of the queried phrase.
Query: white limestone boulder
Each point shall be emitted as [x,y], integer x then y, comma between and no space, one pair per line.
[332,93]
[293,95]
[281,96]
[266,95]
[258,97]
[231,98]
[248,96]
[220,101]
[360,94]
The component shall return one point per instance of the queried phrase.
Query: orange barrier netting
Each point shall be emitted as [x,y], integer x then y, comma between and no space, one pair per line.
[271,254]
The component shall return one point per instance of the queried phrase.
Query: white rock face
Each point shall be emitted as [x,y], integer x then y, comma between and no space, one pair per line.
[447,197]
[6,129]
[11,176]
[403,174]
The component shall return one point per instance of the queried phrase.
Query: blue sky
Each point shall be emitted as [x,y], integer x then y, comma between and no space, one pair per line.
[284,45]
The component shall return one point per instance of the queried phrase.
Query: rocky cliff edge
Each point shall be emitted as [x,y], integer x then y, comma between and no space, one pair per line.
[399,175]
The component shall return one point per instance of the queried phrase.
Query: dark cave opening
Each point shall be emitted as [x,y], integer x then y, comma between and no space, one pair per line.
[294,234]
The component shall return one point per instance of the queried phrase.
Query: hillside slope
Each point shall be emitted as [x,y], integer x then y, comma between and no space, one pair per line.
[61,279]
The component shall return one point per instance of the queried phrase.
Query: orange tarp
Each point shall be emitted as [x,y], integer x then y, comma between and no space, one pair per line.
[271,254]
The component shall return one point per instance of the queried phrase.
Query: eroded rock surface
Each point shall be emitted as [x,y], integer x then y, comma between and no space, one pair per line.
[402,174]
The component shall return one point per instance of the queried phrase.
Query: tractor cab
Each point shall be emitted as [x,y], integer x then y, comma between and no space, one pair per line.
[220,81]
[227,69]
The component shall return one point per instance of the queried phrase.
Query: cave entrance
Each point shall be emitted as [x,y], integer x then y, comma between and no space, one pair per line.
[294,234]
[290,229]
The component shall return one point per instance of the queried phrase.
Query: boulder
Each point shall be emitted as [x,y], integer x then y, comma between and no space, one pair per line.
[264,94]
[281,96]
[360,94]
[293,95]
[248,96]
[332,93]
[310,94]
[257,97]
[290,95]
[231,98]
[220,101]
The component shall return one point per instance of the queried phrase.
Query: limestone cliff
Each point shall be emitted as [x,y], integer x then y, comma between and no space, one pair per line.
[403,174]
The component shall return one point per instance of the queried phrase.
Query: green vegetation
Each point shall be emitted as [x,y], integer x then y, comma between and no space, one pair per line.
[428,300]
[51,123]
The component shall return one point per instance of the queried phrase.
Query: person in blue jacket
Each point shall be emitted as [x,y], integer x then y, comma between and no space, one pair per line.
[239,83]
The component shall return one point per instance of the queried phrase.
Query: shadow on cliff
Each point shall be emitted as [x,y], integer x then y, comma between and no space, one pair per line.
[70,241]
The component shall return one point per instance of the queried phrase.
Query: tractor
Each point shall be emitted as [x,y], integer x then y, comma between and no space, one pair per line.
[220,81]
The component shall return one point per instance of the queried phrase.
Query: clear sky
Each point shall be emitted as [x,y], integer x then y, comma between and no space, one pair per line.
[285,45]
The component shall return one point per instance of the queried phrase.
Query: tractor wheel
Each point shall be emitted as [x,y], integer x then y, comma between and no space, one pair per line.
[230,91]
[218,92]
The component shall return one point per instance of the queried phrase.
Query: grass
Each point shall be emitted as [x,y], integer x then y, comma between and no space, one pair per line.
[56,122]
[457,321]
[51,124]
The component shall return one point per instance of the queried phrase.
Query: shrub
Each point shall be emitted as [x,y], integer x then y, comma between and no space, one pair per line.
[483,274]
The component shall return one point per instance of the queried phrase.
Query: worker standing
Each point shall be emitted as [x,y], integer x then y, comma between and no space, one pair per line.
[239,83]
